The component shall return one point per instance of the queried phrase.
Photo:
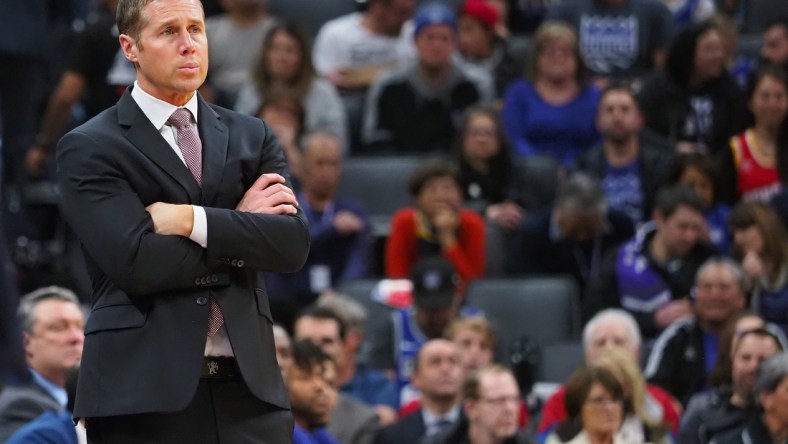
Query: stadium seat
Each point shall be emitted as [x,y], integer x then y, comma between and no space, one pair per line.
[536,179]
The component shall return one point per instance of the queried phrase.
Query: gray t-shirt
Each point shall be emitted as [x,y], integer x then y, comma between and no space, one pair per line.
[617,40]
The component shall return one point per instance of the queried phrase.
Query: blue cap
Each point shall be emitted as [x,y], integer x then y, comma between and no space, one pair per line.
[433,14]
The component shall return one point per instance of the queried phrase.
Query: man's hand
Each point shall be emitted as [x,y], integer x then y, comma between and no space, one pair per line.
[269,195]
[171,219]
[347,223]
[671,312]
[446,220]
[508,215]
[35,160]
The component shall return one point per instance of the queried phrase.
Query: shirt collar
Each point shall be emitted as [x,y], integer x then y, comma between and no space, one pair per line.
[158,111]
[54,390]
[431,418]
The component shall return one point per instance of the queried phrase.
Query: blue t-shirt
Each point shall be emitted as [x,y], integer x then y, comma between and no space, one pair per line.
[711,345]
[537,127]
[623,190]
[372,387]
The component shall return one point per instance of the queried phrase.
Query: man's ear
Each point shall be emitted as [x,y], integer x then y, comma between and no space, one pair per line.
[26,341]
[129,47]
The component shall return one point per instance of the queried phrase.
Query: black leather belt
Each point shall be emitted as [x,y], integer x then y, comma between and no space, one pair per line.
[219,367]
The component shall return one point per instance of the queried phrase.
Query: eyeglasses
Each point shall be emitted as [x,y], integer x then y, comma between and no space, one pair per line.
[601,401]
[500,401]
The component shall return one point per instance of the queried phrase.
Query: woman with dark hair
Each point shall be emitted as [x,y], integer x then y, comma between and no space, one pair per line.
[485,168]
[286,63]
[699,172]
[552,111]
[694,102]
[760,243]
[757,157]
[595,407]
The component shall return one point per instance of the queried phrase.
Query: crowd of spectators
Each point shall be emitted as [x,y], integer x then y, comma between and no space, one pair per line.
[667,145]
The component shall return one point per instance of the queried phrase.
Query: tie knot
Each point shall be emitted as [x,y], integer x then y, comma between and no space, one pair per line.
[180,118]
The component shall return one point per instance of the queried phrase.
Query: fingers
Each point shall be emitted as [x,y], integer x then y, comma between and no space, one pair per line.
[265,180]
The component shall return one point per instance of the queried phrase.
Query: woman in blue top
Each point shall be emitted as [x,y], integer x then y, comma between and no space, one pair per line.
[552,111]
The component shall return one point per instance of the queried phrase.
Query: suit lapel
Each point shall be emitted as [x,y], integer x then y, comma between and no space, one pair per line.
[214,135]
[147,139]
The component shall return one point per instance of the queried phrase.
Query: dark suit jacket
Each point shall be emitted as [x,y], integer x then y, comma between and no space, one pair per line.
[21,405]
[408,430]
[145,337]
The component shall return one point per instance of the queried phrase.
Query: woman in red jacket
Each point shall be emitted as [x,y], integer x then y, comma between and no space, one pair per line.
[437,225]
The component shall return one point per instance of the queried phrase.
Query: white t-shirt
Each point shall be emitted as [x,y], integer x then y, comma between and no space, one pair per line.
[345,43]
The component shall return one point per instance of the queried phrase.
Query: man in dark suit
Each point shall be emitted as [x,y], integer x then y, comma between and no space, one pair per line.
[178,204]
[437,373]
[53,325]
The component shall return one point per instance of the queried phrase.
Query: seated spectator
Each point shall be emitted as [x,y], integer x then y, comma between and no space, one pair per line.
[437,374]
[684,354]
[775,42]
[595,404]
[284,112]
[622,40]
[53,334]
[616,330]
[770,426]
[480,47]
[436,226]
[694,102]
[491,399]
[739,65]
[760,243]
[353,50]
[576,231]
[338,228]
[476,339]
[651,275]
[234,42]
[284,349]
[486,172]
[630,166]
[326,328]
[285,63]
[309,383]
[755,159]
[436,299]
[551,112]
[699,172]
[416,109]
[730,406]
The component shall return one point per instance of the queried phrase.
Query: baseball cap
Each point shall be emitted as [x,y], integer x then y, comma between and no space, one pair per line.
[481,11]
[434,283]
[433,14]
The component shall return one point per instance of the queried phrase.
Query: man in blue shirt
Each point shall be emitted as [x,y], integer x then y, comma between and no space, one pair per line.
[53,333]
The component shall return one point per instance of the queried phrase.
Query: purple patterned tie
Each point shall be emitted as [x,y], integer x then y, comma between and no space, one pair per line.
[191,148]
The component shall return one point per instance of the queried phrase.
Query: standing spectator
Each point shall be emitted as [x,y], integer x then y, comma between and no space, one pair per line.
[353,50]
[437,374]
[285,62]
[699,172]
[338,227]
[683,355]
[53,334]
[436,226]
[480,47]
[491,399]
[694,102]
[310,389]
[235,39]
[729,407]
[486,172]
[577,231]
[630,165]
[651,275]
[769,393]
[760,243]
[551,112]
[622,39]
[757,158]
[417,109]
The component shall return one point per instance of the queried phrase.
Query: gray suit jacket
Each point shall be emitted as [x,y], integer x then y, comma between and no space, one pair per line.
[353,422]
[21,405]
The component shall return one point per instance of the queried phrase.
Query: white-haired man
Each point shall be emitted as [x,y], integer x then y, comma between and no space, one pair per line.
[610,329]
